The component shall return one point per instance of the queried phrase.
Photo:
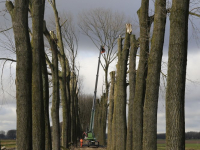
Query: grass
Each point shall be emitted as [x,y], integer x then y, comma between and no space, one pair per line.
[8,143]
[190,145]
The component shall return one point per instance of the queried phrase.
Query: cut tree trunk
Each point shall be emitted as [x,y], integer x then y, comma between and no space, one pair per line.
[132,80]
[121,84]
[111,110]
[141,76]
[153,77]
[114,133]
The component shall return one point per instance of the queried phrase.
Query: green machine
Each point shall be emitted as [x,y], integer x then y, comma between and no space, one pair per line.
[91,138]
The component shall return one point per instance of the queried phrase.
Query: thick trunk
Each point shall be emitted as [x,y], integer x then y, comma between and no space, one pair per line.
[96,119]
[56,98]
[38,124]
[64,113]
[121,128]
[72,108]
[175,94]
[55,103]
[19,15]
[153,78]
[63,74]
[111,110]
[114,129]
[101,120]
[132,79]
[141,76]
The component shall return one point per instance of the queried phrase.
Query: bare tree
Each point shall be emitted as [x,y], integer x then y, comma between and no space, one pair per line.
[19,15]
[177,61]
[71,43]
[103,27]
[132,83]
[120,97]
[37,43]
[153,77]
[144,19]
[85,106]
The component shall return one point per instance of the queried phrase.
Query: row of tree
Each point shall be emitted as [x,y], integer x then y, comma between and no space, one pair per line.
[141,131]
[188,135]
[33,76]
[50,65]
[11,134]
[40,66]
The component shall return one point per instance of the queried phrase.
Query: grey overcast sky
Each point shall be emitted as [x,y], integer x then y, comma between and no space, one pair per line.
[88,57]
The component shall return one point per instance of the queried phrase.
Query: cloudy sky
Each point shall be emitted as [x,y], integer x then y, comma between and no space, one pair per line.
[88,57]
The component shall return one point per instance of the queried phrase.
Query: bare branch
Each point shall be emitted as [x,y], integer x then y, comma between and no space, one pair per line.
[6,29]
[8,59]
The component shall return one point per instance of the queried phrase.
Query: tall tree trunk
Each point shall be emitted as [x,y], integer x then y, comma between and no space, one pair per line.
[121,128]
[153,78]
[175,94]
[111,110]
[101,120]
[48,141]
[132,79]
[48,137]
[96,119]
[63,74]
[141,76]
[68,101]
[19,15]
[104,118]
[56,98]
[55,101]
[114,133]
[38,132]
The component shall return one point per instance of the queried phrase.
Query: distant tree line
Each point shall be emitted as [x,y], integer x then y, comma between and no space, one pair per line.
[188,135]
[11,134]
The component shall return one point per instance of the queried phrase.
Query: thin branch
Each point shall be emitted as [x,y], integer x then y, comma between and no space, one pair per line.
[6,29]
[194,14]
[8,59]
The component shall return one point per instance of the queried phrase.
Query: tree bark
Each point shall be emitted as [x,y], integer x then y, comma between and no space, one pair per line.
[132,80]
[121,128]
[153,78]
[111,110]
[96,119]
[19,15]
[55,103]
[38,124]
[64,97]
[72,109]
[141,76]
[177,61]
[114,134]
[101,120]
[48,141]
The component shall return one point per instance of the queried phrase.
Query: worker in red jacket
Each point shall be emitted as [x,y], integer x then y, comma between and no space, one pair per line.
[81,142]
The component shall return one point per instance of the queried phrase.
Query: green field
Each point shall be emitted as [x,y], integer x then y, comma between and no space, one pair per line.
[8,143]
[190,145]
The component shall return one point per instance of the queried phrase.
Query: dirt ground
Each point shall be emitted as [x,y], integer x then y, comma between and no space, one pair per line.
[85,147]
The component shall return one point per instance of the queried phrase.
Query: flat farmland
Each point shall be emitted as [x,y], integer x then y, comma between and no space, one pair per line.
[8,143]
[190,144]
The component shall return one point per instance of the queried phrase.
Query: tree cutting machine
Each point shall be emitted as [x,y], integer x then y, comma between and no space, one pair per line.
[90,134]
